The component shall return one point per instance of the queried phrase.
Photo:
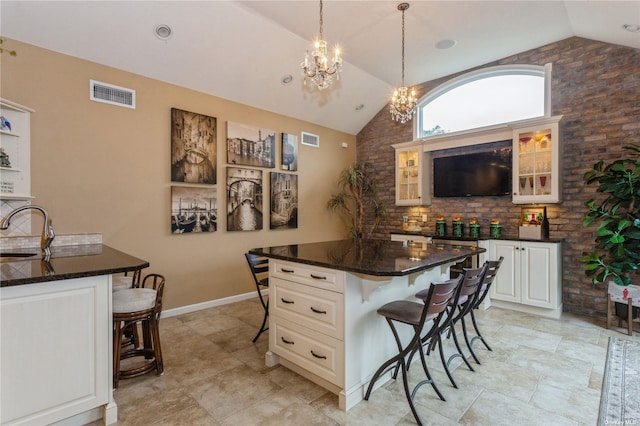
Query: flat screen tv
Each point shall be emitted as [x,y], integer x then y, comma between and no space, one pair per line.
[471,175]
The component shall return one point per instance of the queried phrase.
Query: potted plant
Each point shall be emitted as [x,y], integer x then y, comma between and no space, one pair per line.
[357,199]
[616,253]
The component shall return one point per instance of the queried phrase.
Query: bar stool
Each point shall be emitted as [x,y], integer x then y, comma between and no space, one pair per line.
[122,282]
[492,268]
[259,266]
[130,307]
[433,308]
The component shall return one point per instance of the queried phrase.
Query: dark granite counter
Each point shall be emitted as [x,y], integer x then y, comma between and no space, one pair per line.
[371,257]
[67,262]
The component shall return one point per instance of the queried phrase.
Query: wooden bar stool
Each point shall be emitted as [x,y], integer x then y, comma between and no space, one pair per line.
[132,306]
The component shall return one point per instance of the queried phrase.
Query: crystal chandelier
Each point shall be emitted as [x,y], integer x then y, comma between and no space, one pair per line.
[316,66]
[403,101]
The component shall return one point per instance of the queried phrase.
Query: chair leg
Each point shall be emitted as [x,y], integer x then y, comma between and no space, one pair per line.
[466,340]
[452,331]
[429,379]
[117,338]
[157,349]
[263,327]
[478,334]
[444,363]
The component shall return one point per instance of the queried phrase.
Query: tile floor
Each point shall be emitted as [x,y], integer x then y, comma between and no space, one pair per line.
[541,372]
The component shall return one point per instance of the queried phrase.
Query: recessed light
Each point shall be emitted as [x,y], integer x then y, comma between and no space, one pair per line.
[359,107]
[287,79]
[446,44]
[163,32]
[631,28]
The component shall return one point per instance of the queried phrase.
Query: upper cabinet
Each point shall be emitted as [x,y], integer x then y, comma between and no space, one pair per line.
[536,162]
[412,174]
[15,151]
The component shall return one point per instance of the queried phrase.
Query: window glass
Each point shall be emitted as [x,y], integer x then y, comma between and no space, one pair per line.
[482,99]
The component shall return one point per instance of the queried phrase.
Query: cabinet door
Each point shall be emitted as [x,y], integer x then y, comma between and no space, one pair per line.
[411,182]
[538,265]
[507,283]
[536,164]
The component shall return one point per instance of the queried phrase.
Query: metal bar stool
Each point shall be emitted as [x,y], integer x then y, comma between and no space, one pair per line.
[492,267]
[433,309]
[259,269]
[130,307]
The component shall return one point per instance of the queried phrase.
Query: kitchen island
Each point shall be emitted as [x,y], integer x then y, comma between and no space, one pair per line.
[56,327]
[323,299]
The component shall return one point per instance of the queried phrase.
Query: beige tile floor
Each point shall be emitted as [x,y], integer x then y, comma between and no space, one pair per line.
[541,372]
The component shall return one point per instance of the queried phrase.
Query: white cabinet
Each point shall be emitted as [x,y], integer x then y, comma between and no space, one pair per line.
[529,278]
[15,151]
[56,350]
[536,162]
[412,175]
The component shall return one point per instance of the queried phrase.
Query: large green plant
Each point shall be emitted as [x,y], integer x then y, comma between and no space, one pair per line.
[357,199]
[617,246]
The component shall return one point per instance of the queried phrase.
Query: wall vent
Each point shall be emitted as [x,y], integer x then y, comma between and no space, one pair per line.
[310,139]
[110,94]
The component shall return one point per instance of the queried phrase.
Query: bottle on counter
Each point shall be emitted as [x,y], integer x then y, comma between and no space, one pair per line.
[533,220]
[544,225]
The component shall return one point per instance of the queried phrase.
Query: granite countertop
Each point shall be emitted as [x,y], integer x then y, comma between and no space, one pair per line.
[424,233]
[67,262]
[371,257]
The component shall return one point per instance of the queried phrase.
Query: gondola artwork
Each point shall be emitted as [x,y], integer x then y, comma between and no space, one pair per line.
[244,199]
[283,201]
[193,147]
[250,145]
[194,209]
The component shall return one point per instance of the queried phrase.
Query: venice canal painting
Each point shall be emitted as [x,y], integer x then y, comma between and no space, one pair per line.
[193,147]
[244,199]
[250,146]
[193,209]
[284,201]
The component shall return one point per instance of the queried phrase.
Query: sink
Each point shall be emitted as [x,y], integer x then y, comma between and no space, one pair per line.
[9,256]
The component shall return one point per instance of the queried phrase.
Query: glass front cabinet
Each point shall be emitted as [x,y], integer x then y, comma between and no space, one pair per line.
[536,162]
[412,187]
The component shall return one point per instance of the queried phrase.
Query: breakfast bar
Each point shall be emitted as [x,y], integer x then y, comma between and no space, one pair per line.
[323,301]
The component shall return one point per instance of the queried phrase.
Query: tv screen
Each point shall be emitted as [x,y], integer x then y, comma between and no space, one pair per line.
[470,175]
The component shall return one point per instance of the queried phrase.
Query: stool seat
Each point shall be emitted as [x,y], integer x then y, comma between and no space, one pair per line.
[121,282]
[133,300]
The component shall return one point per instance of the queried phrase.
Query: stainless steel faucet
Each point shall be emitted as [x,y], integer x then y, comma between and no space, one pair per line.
[47,230]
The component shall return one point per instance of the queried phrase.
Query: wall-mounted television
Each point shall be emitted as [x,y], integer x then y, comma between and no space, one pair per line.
[474,174]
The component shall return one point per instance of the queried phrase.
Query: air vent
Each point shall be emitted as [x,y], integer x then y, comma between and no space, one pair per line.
[310,139]
[110,94]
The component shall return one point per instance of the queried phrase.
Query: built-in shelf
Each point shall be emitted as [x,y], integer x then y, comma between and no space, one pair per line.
[15,180]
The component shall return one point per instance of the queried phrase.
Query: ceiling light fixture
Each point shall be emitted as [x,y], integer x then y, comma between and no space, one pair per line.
[163,32]
[316,66]
[287,79]
[403,101]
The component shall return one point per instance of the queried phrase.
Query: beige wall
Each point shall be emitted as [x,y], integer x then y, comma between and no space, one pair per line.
[106,169]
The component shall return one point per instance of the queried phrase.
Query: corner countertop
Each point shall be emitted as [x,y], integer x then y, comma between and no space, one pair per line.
[371,257]
[482,237]
[68,262]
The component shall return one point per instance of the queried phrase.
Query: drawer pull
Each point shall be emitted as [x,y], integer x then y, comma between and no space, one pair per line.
[318,356]
[318,277]
[288,302]
[288,271]
[317,311]
[288,342]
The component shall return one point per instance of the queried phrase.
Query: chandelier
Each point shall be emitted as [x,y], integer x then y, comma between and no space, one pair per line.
[403,101]
[316,66]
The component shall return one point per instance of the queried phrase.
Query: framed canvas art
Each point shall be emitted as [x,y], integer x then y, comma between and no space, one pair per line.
[244,199]
[250,146]
[283,201]
[193,147]
[194,209]
[289,152]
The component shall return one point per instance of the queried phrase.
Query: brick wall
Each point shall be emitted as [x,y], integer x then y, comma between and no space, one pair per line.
[596,87]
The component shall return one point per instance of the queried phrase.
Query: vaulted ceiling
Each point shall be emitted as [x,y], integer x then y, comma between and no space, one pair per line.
[241,50]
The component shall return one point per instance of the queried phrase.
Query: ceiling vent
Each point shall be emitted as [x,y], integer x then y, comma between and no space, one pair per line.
[110,94]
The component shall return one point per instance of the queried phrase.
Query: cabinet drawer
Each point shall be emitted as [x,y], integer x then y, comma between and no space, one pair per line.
[319,354]
[328,279]
[318,309]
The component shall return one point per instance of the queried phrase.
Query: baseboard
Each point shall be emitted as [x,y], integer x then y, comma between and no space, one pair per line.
[210,304]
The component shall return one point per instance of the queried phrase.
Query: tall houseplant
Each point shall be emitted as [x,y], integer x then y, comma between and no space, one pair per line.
[616,253]
[357,199]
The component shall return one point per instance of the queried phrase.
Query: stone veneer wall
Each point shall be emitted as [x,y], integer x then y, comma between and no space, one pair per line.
[596,87]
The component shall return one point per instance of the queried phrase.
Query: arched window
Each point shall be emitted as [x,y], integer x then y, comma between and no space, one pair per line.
[486,97]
